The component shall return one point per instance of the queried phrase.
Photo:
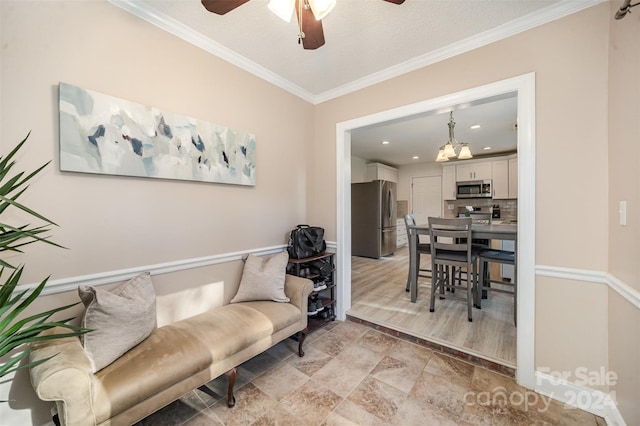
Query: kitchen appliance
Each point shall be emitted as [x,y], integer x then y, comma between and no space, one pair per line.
[495,211]
[474,189]
[373,218]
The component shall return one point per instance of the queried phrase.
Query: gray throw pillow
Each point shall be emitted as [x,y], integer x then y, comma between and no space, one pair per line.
[120,319]
[263,279]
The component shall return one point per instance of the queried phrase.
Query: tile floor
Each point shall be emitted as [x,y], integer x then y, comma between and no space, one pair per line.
[354,375]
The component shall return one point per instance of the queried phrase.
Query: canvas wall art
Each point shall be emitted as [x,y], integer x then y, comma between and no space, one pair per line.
[107,135]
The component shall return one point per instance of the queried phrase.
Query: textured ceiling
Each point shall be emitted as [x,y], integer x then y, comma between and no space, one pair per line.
[368,41]
[424,134]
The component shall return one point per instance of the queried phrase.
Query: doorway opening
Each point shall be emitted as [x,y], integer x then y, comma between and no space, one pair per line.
[524,88]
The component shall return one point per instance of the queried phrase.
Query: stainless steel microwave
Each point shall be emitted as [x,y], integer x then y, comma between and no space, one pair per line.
[474,189]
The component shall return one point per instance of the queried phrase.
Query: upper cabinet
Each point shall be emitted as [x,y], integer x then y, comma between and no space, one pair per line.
[449,182]
[513,178]
[502,171]
[500,178]
[379,171]
[473,171]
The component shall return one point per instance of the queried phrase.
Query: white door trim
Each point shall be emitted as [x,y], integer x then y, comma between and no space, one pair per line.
[524,86]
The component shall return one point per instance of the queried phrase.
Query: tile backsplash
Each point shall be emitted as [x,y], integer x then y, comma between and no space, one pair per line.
[402,208]
[508,208]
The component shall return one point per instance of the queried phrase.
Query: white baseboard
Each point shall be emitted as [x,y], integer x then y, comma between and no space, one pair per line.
[587,399]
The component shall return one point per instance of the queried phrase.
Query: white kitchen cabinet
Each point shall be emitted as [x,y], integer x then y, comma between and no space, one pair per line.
[500,179]
[513,178]
[473,171]
[379,171]
[449,182]
[402,239]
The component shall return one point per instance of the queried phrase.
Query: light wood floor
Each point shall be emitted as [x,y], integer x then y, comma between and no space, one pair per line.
[378,295]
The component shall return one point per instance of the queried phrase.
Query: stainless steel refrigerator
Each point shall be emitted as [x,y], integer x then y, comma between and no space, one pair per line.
[373,218]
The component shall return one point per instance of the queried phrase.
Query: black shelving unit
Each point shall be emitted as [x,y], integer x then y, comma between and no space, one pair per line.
[308,268]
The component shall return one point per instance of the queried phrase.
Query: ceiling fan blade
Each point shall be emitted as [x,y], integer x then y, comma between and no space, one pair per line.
[312,29]
[395,1]
[220,7]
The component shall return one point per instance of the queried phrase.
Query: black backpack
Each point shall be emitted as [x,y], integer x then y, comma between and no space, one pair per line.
[306,241]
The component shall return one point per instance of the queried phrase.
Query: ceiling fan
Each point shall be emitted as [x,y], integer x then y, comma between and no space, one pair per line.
[309,15]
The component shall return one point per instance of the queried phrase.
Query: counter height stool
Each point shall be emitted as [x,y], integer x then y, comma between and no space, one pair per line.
[422,248]
[451,246]
[503,257]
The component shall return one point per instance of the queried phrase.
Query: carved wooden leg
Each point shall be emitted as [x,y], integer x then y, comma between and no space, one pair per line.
[301,336]
[231,375]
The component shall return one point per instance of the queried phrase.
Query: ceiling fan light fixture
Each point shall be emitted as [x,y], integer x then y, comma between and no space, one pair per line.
[321,8]
[283,9]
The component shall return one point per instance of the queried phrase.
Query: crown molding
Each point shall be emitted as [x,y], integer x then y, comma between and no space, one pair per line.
[177,28]
[532,20]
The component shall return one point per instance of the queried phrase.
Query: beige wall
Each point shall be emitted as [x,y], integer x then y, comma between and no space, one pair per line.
[569,57]
[624,180]
[112,223]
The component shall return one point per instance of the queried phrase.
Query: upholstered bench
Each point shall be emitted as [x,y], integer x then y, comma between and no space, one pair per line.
[170,362]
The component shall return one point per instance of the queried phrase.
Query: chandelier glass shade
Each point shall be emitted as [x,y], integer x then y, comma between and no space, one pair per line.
[448,150]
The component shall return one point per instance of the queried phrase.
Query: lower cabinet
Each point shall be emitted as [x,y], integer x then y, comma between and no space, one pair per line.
[401,234]
[322,302]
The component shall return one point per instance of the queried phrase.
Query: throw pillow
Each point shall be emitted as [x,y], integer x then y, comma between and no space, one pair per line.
[263,279]
[120,319]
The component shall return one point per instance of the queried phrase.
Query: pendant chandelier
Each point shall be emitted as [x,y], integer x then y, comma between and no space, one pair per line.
[449,149]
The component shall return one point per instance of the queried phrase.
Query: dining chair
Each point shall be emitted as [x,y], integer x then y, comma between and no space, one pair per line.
[451,247]
[422,248]
[503,257]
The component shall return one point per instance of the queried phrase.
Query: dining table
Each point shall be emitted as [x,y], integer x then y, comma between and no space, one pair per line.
[479,231]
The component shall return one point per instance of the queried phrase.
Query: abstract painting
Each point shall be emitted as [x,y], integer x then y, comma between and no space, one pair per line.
[107,135]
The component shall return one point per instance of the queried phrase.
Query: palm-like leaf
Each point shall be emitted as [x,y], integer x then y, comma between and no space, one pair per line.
[17,332]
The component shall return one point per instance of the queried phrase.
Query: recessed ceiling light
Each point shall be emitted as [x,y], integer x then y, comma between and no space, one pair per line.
[385,142]
[475,126]
[486,148]
[415,157]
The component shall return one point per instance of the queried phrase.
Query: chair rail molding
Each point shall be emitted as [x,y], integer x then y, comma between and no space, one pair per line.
[599,277]
[109,277]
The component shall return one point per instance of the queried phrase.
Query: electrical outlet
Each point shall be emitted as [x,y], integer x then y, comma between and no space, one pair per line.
[450,206]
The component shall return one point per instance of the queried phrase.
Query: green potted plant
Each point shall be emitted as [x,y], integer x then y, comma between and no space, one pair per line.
[16,333]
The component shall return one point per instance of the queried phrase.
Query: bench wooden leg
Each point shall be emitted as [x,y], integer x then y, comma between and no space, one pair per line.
[301,336]
[231,375]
